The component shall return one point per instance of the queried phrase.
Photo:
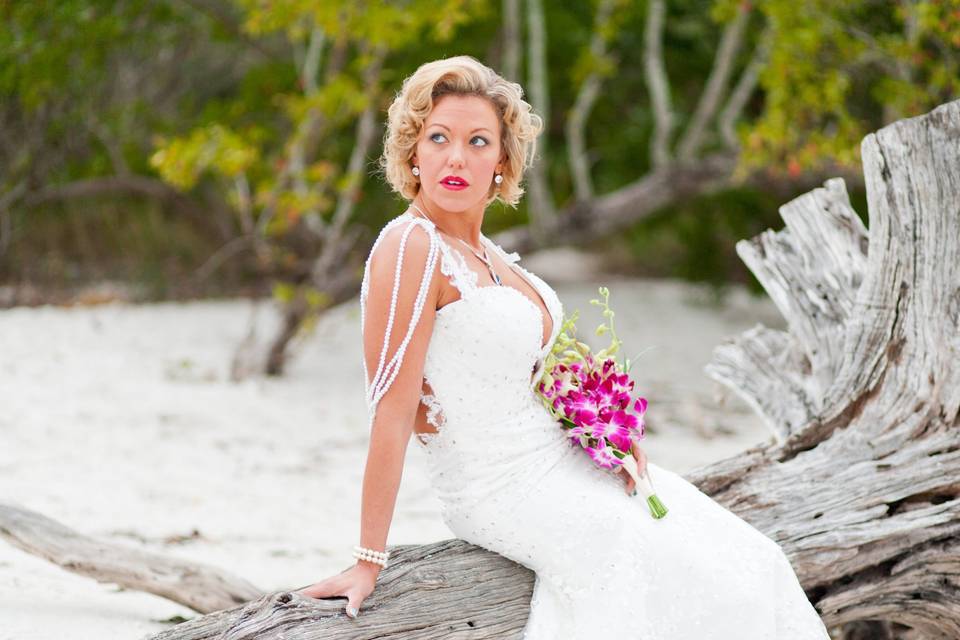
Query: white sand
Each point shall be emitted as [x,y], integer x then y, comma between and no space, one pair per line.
[121,422]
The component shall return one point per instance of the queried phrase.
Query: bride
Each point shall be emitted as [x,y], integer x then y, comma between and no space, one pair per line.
[455,334]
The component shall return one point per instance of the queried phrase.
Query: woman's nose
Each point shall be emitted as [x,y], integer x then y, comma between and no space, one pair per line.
[456,156]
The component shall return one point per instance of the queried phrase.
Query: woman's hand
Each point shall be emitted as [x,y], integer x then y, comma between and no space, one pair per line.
[355,584]
[641,457]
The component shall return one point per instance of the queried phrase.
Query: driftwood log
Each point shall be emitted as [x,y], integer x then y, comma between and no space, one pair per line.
[200,587]
[862,487]
[861,483]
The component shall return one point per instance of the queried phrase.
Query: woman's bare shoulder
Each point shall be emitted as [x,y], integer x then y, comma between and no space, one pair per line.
[414,236]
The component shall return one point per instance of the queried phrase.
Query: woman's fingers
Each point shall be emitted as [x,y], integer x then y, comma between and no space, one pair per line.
[354,599]
[641,460]
[322,589]
[641,457]
[627,480]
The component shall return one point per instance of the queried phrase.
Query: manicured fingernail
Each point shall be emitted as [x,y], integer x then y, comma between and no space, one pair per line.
[634,493]
[352,612]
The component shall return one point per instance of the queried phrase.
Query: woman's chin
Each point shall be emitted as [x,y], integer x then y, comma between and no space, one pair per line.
[455,201]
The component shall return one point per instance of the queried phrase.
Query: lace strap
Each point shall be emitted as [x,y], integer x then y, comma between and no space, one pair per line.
[387,370]
[455,267]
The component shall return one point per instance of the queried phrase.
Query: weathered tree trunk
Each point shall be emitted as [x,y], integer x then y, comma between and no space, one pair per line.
[447,589]
[861,486]
[201,587]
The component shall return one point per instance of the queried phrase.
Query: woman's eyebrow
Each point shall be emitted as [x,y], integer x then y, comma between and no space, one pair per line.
[449,129]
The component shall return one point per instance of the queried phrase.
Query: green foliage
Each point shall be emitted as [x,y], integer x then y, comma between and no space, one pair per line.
[823,55]
[220,149]
[79,76]
[393,25]
[214,148]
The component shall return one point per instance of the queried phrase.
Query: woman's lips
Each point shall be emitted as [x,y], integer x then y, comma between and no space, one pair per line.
[454,184]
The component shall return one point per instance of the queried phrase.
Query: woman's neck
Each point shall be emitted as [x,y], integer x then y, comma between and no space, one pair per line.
[464,225]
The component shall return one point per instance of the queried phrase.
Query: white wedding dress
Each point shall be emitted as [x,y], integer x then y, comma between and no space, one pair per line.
[510,481]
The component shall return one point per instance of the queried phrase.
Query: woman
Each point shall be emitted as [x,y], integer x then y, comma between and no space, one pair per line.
[455,334]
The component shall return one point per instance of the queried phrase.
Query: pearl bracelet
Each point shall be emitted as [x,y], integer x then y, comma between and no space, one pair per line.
[379,557]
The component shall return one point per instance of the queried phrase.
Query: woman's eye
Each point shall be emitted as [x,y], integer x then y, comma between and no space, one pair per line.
[439,137]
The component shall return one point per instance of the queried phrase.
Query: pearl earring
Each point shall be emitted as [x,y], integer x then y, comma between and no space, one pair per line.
[415,170]
[498,178]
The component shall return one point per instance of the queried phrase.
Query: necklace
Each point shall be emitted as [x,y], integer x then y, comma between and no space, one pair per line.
[485,258]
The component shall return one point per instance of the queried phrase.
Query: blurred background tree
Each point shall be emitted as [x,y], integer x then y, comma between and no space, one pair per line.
[213,147]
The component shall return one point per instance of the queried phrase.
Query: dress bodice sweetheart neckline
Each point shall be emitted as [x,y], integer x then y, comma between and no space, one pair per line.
[530,303]
[465,280]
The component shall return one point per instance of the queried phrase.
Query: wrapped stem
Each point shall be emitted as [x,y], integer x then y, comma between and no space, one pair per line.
[645,486]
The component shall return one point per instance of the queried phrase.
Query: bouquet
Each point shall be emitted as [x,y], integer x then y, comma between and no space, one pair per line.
[589,395]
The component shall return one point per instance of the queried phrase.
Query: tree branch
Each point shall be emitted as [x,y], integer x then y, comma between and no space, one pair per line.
[200,587]
[135,184]
[222,16]
[366,130]
[744,89]
[657,83]
[6,225]
[304,139]
[308,76]
[542,211]
[115,153]
[110,185]
[511,40]
[586,96]
[716,84]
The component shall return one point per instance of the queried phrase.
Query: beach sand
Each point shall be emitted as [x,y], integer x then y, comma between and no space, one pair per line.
[121,421]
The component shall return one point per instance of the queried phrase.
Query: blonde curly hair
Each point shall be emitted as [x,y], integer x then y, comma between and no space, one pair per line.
[465,76]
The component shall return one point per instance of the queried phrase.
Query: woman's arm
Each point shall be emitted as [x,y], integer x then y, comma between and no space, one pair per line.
[398,318]
[395,284]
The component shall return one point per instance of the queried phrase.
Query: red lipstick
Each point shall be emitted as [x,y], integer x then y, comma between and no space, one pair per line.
[454,183]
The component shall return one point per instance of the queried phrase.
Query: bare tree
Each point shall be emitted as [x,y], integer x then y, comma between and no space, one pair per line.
[511,40]
[586,96]
[542,209]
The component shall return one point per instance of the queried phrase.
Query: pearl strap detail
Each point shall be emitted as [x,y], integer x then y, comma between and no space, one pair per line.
[387,371]
[371,555]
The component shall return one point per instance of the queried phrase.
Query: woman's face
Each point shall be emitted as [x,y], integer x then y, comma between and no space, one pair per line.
[458,152]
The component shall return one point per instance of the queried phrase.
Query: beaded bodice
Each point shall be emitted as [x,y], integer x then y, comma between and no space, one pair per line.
[485,355]
[490,319]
